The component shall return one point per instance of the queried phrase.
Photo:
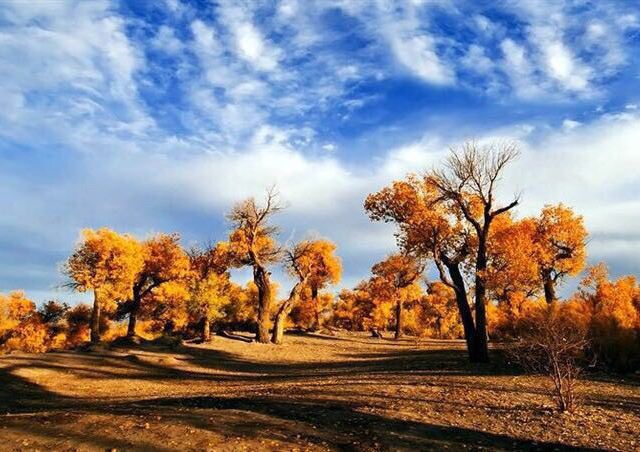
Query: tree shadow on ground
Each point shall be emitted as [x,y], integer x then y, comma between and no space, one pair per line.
[332,424]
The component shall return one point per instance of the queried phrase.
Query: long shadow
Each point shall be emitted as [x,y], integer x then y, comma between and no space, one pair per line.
[336,424]
[18,394]
[333,424]
[441,362]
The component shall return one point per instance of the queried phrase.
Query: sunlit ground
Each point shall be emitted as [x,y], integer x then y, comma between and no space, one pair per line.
[312,393]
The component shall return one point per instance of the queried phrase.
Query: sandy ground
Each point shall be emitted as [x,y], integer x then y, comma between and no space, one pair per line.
[312,393]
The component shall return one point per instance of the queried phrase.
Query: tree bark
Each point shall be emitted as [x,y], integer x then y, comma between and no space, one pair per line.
[549,288]
[278,328]
[95,318]
[261,280]
[399,320]
[314,300]
[206,329]
[464,309]
[133,315]
[480,341]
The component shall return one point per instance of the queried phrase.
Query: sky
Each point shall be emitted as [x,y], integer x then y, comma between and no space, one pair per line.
[153,116]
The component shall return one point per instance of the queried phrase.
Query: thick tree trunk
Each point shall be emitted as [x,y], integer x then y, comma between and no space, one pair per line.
[206,329]
[464,309]
[281,317]
[480,341]
[95,318]
[261,280]
[133,315]
[549,288]
[278,328]
[399,320]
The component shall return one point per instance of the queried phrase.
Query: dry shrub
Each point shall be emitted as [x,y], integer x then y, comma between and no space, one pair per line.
[552,343]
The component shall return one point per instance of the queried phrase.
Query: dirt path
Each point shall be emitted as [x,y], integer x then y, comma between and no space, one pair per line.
[312,393]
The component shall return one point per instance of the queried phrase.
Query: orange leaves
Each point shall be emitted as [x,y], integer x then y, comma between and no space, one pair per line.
[424,224]
[561,238]
[512,263]
[316,262]
[536,253]
[164,259]
[14,308]
[105,261]
[21,327]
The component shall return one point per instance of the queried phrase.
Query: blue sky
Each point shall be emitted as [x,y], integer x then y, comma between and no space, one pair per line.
[158,116]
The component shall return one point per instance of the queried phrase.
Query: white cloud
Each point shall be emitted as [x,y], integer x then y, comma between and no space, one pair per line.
[167,41]
[79,54]
[135,176]
[559,62]
[250,44]
[411,43]
[569,124]
[518,68]
[418,54]
[477,60]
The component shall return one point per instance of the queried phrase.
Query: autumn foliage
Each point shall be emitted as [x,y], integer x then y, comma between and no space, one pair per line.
[466,267]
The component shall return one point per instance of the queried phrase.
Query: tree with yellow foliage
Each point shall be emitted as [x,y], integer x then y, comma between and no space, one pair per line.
[323,267]
[560,238]
[210,287]
[305,314]
[106,263]
[313,264]
[611,312]
[397,277]
[467,185]
[513,271]
[14,308]
[164,261]
[354,307]
[252,243]
[438,312]
[447,216]
[429,228]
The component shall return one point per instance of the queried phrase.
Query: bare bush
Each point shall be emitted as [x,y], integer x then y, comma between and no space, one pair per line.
[552,343]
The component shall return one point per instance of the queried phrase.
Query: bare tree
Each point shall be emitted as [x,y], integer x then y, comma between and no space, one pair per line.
[468,181]
[253,244]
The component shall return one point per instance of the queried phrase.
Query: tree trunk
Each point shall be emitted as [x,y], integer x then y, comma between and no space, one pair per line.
[283,312]
[464,309]
[314,300]
[261,280]
[549,288]
[133,315]
[480,341]
[169,326]
[206,329]
[278,328]
[399,320]
[95,318]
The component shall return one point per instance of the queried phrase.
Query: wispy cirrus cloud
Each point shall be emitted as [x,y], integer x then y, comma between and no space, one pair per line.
[160,118]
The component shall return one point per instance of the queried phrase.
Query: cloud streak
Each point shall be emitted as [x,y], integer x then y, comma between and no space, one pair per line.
[114,120]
